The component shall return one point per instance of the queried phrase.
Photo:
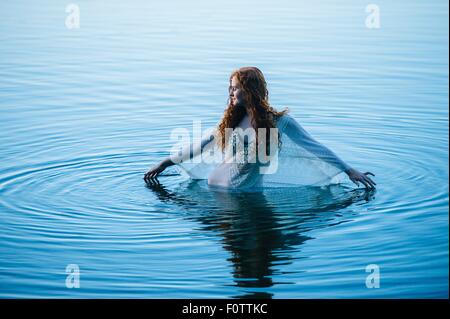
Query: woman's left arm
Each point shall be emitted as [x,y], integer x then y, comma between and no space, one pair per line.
[300,136]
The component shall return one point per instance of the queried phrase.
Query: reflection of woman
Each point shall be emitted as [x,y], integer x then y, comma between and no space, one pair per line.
[260,231]
[308,161]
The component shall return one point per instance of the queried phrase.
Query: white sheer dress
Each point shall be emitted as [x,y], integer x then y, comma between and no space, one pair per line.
[301,160]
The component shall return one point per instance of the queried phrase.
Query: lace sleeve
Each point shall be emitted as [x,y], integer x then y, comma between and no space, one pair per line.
[302,138]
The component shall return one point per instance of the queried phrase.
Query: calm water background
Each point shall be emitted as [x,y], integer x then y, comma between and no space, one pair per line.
[86,112]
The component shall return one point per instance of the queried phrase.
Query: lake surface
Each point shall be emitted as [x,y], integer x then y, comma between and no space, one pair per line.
[86,112]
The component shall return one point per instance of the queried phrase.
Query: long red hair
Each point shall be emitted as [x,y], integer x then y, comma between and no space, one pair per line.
[256,95]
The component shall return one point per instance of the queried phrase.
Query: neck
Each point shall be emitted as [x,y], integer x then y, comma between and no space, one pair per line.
[250,117]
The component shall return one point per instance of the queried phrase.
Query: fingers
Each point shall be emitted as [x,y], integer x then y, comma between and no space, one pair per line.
[150,176]
[147,176]
[149,179]
[366,181]
[153,182]
[369,180]
[355,181]
[365,184]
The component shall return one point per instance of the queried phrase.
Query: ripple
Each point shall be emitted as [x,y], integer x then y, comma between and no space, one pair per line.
[90,110]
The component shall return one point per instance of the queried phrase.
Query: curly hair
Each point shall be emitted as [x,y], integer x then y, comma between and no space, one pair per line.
[256,97]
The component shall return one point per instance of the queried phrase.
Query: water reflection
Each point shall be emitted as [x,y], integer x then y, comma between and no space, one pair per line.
[262,230]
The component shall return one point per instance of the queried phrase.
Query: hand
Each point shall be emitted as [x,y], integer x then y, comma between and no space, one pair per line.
[153,172]
[356,177]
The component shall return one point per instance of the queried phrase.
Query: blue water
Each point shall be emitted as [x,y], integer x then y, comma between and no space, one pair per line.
[86,112]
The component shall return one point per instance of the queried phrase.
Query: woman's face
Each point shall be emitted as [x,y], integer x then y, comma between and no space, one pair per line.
[236,93]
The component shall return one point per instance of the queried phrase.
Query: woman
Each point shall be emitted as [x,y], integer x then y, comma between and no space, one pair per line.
[302,161]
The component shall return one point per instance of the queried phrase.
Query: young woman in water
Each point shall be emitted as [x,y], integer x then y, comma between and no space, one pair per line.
[249,107]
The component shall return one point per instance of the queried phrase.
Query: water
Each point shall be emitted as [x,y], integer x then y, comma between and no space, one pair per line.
[85,112]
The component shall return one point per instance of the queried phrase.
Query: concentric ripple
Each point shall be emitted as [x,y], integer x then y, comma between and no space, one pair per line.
[86,112]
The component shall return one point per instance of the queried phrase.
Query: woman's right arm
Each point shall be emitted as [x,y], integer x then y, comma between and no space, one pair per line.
[157,169]
[195,150]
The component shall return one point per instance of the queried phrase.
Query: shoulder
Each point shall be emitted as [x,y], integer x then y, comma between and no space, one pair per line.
[280,115]
[283,120]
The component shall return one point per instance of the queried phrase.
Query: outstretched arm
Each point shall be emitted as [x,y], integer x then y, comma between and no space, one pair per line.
[194,150]
[301,137]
